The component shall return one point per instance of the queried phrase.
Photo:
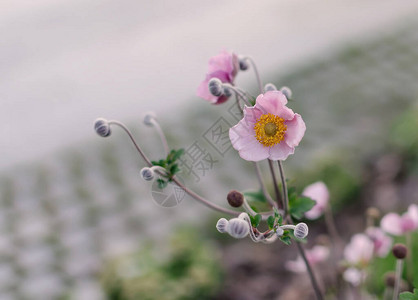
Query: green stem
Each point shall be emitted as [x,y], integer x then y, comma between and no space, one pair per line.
[276,187]
[284,186]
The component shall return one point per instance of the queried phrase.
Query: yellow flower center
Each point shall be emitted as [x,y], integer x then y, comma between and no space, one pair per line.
[270,130]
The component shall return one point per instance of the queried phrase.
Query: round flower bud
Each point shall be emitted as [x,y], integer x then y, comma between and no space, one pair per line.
[301,230]
[243,64]
[238,228]
[215,87]
[270,87]
[373,213]
[399,251]
[287,92]
[149,116]
[227,92]
[222,225]
[147,174]
[279,231]
[390,279]
[235,198]
[102,127]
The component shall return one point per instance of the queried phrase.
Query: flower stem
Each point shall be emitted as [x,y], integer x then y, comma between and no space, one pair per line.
[284,186]
[409,258]
[399,265]
[315,286]
[263,186]
[257,75]
[276,187]
[162,135]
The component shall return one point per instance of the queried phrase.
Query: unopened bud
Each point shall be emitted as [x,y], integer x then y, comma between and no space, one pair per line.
[227,92]
[373,213]
[238,228]
[215,87]
[287,92]
[399,251]
[222,225]
[390,279]
[148,119]
[301,230]
[102,127]
[235,198]
[243,64]
[147,174]
[270,87]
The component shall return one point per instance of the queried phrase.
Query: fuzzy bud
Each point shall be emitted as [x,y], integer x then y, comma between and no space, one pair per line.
[102,127]
[270,87]
[147,174]
[399,251]
[390,279]
[301,230]
[227,92]
[279,231]
[243,64]
[148,119]
[238,228]
[373,213]
[287,92]
[222,225]
[235,198]
[216,87]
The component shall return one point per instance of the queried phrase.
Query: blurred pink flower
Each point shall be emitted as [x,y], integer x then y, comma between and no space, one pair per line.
[315,255]
[398,225]
[224,66]
[269,129]
[354,276]
[359,251]
[318,192]
[382,242]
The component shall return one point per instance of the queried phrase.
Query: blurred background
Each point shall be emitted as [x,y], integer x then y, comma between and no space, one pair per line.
[77,221]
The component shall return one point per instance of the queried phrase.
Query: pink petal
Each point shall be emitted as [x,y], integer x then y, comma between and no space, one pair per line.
[203,92]
[251,114]
[413,214]
[391,223]
[226,62]
[280,151]
[243,140]
[295,131]
[318,192]
[274,102]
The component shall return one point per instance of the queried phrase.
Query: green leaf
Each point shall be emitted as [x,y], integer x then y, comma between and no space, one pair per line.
[178,153]
[270,221]
[409,295]
[174,169]
[300,205]
[255,220]
[161,183]
[285,238]
[255,196]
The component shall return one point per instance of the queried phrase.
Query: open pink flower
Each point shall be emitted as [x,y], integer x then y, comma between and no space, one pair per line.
[398,225]
[269,129]
[318,192]
[314,256]
[382,242]
[224,66]
[360,250]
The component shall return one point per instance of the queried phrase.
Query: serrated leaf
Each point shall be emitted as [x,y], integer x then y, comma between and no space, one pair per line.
[178,153]
[270,221]
[409,295]
[255,220]
[161,183]
[299,205]
[174,169]
[255,196]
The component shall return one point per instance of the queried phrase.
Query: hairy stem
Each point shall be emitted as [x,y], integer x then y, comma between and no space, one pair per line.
[284,186]
[263,186]
[399,265]
[276,187]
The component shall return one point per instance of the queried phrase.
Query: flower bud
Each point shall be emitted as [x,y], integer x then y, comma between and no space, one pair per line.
[222,225]
[102,127]
[279,231]
[373,213]
[270,87]
[147,174]
[287,92]
[227,92]
[390,279]
[238,228]
[301,230]
[243,64]
[215,87]
[235,198]
[399,251]
[149,116]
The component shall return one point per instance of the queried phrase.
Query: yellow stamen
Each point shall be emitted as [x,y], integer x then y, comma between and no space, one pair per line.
[270,130]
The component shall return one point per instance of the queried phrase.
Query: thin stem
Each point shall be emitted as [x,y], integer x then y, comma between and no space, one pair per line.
[257,75]
[238,93]
[409,257]
[284,186]
[276,187]
[188,191]
[204,201]
[399,265]
[329,221]
[162,135]
[315,286]
[128,132]
[263,186]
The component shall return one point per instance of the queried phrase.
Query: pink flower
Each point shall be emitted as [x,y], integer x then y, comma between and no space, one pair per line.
[398,225]
[382,242]
[318,192]
[269,129]
[354,276]
[224,66]
[315,255]
[360,250]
